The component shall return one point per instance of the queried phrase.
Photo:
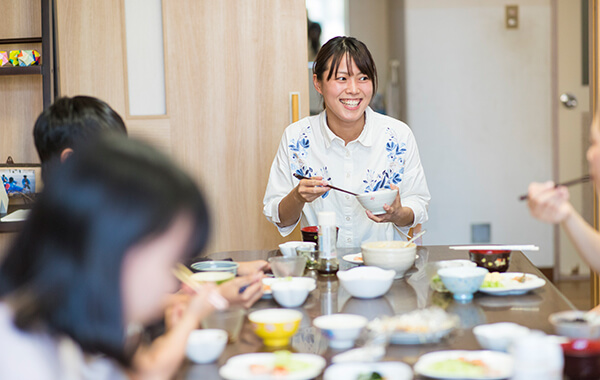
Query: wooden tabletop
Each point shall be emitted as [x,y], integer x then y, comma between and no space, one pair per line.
[407,294]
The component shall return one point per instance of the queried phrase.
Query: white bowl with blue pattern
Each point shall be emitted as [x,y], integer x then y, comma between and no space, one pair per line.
[374,201]
[462,282]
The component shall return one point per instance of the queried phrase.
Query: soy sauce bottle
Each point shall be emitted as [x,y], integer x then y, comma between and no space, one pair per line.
[327,262]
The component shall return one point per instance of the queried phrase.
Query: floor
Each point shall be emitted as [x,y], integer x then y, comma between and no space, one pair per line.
[577,291]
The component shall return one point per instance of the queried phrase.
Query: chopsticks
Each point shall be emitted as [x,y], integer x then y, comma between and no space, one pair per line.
[583,179]
[529,247]
[333,187]
[184,275]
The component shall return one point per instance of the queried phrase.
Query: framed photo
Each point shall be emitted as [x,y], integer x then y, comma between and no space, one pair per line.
[21,180]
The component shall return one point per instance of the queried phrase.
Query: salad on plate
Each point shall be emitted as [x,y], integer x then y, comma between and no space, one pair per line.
[510,283]
[279,365]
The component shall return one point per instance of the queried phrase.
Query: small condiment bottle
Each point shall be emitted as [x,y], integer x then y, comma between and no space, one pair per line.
[327,261]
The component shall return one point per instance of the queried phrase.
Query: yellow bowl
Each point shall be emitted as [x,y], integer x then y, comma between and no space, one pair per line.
[275,326]
[213,277]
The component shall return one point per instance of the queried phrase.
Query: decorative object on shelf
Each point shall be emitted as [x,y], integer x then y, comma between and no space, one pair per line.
[4,59]
[28,58]
[13,57]
[23,58]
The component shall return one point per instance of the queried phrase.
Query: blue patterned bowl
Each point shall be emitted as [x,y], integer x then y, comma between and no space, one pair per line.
[462,282]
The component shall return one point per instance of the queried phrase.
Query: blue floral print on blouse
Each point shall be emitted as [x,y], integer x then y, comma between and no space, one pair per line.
[299,151]
[395,166]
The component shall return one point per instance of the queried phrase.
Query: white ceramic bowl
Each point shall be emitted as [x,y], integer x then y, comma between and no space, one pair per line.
[288,249]
[576,324]
[499,336]
[432,268]
[462,282]
[289,293]
[341,329]
[308,282]
[374,201]
[205,346]
[366,282]
[390,255]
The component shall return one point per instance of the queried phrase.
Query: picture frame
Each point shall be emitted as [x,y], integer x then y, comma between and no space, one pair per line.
[21,181]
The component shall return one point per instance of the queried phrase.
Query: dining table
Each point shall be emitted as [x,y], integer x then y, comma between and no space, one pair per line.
[409,293]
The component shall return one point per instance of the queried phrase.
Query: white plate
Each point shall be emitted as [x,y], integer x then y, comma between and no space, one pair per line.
[388,370]
[513,287]
[354,258]
[311,283]
[499,364]
[424,338]
[238,367]
[417,327]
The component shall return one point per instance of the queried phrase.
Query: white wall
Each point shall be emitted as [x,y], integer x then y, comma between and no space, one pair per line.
[479,103]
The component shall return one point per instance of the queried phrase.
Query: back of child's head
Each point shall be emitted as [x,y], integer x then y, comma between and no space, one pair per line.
[69,122]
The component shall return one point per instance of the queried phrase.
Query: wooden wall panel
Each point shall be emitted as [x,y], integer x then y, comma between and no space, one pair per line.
[232,65]
[90,44]
[20,18]
[155,131]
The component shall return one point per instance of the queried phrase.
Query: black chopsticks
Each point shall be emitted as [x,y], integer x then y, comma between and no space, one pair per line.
[583,179]
[333,187]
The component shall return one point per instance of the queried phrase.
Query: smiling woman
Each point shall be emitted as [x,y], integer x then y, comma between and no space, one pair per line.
[351,146]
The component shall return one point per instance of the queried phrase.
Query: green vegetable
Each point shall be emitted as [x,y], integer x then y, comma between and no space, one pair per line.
[284,359]
[457,367]
[492,284]
[438,285]
[370,376]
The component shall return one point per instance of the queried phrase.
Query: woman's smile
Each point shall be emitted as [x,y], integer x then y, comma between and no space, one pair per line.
[351,104]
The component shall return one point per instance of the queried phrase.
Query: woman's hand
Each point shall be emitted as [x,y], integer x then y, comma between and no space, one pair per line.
[394,213]
[548,203]
[290,207]
[310,189]
[251,267]
[250,294]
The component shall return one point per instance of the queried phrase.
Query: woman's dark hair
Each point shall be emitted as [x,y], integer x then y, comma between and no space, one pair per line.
[348,48]
[69,122]
[63,271]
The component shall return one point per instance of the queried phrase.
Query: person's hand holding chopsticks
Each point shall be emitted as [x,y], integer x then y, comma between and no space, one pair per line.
[549,203]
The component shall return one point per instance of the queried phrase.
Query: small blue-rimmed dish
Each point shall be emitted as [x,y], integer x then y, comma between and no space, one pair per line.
[216,266]
[462,282]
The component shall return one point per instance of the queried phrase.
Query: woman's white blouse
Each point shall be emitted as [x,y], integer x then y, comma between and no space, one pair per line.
[38,356]
[385,153]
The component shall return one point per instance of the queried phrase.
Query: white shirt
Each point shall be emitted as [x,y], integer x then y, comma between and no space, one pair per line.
[385,152]
[38,356]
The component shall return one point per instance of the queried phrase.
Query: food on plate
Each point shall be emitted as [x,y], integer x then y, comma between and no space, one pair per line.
[370,376]
[422,321]
[437,285]
[283,365]
[460,366]
[499,280]
[493,280]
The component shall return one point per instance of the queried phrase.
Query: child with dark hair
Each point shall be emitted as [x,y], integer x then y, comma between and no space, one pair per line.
[69,122]
[94,260]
